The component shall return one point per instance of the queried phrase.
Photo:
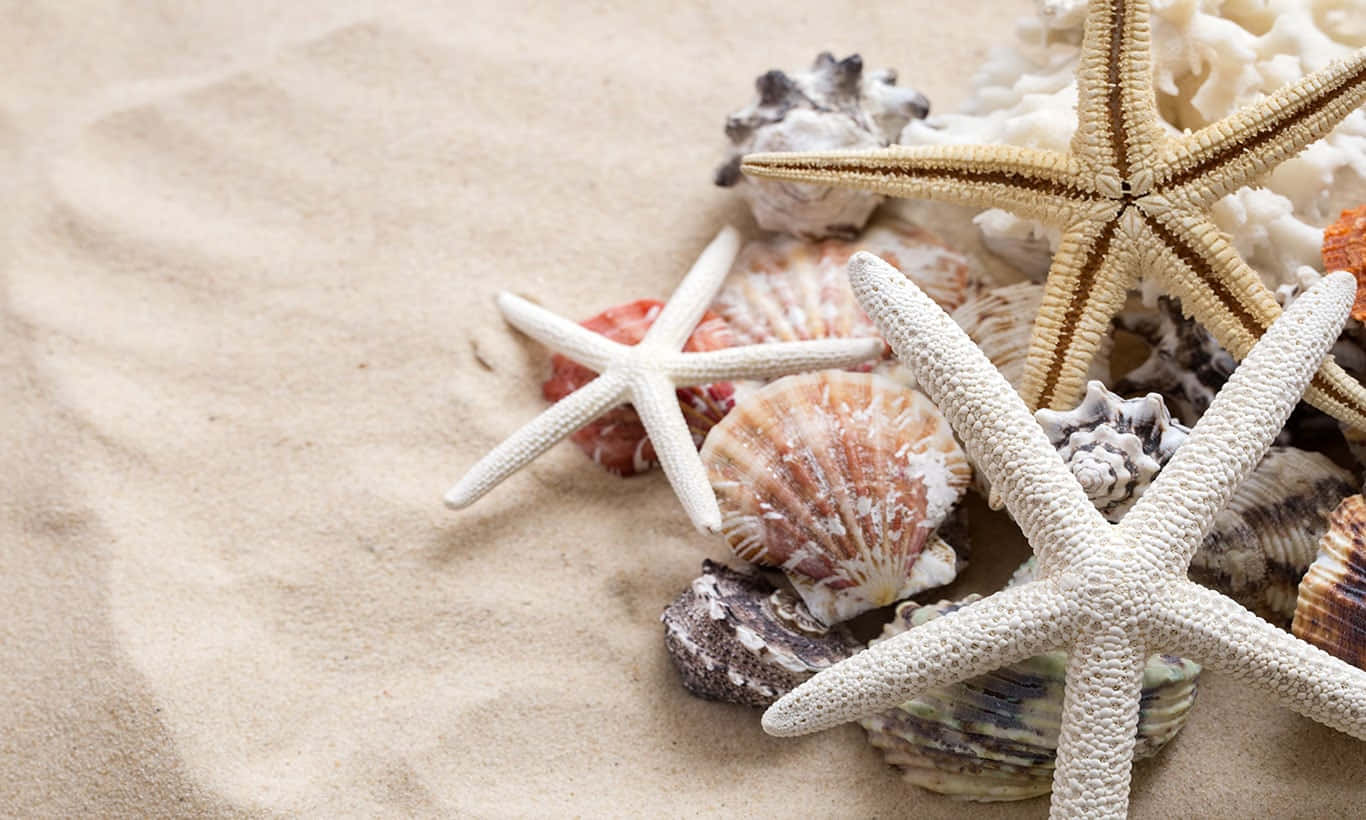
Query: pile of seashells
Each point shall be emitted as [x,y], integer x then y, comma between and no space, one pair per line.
[841,491]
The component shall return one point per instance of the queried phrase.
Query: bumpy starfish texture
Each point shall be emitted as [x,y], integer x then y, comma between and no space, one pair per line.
[646,375]
[1130,199]
[1110,595]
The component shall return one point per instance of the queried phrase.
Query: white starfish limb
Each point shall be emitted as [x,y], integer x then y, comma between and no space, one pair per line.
[1110,595]
[647,375]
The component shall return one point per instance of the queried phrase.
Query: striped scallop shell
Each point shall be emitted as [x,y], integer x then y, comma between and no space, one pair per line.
[736,638]
[1331,612]
[839,479]
[1114,446]
[1264,539]
[995,737]
[617,440]
[783,289]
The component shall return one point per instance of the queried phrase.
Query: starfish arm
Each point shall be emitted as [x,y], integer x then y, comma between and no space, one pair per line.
[655,400]
[1222,635]
[563,418]
[1000,435]
[1117,123]
[1238,150]
[1005,628]
[1035,184]
[1198,265]
[1099,726]
[767,361]
[1087,284]
[592,350]
[678,318]
[1173,515]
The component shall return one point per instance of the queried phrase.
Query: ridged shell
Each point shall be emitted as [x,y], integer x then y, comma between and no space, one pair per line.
[995,737]
[1114,446]
[838,479]
[1185,364]
[1262,542]
[1000,320]
[782,289]
[1331,612]
[734,637]
[833,105]
[1344,248]
[617,440]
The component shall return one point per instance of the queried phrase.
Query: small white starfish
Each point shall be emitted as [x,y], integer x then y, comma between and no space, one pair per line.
[1111,595]
[646,375]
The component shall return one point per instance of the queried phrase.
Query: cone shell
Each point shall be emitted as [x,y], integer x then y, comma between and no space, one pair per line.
[1331,612]
[617,440]
[995,737]
[736,638]
[1114,446]
[1344,248]
[1264,540]
[839,479]
[782,289]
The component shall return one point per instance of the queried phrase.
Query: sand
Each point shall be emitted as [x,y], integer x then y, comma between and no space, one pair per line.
[249,256]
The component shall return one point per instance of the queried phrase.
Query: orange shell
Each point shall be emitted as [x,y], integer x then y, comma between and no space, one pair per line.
[1331,612]
[1344,248]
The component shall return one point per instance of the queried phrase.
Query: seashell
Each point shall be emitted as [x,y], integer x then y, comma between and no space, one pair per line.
[617,440]
[782,289]
[833,105]
[995,737]
[1331,611]
[1000,321]
[1185,364]
[839,479]
[1344,248]
[734,637]
[1266,537]
[1114,446]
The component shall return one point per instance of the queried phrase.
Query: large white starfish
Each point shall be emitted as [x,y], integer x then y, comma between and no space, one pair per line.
[1111,595]
[647,375]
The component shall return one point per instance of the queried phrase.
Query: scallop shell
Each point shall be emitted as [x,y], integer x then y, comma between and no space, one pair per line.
[734,637]
[783,289]
[1331,611]
[617,440]
[839,479]
[833,105]
[1262,542]
[1344,248]
[1114,446]
[1000,320]
[995,737]
[1185,363]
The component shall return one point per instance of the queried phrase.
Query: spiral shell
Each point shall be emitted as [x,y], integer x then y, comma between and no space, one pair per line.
[1265,538]
[839,479]
[1115,447]
[617,440]
[995,737]
[1185,364]
[1331,611]
[734,637]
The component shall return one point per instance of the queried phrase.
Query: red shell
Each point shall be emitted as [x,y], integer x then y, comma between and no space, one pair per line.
[617,440]
[1344,248]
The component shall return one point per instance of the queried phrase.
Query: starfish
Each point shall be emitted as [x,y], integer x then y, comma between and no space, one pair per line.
[1130,200]
[646,375]
[1109,594]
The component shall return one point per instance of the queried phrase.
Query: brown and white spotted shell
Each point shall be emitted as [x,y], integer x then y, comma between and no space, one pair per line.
[1331,611]
[1265,538]
[995,737]
[1185,364]
[1114,446]
[734,637]
[839,479]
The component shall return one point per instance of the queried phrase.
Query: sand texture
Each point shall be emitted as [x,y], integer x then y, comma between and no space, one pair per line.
[248,340]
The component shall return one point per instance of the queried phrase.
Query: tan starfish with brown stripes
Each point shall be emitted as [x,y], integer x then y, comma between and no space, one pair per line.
[1132,201]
